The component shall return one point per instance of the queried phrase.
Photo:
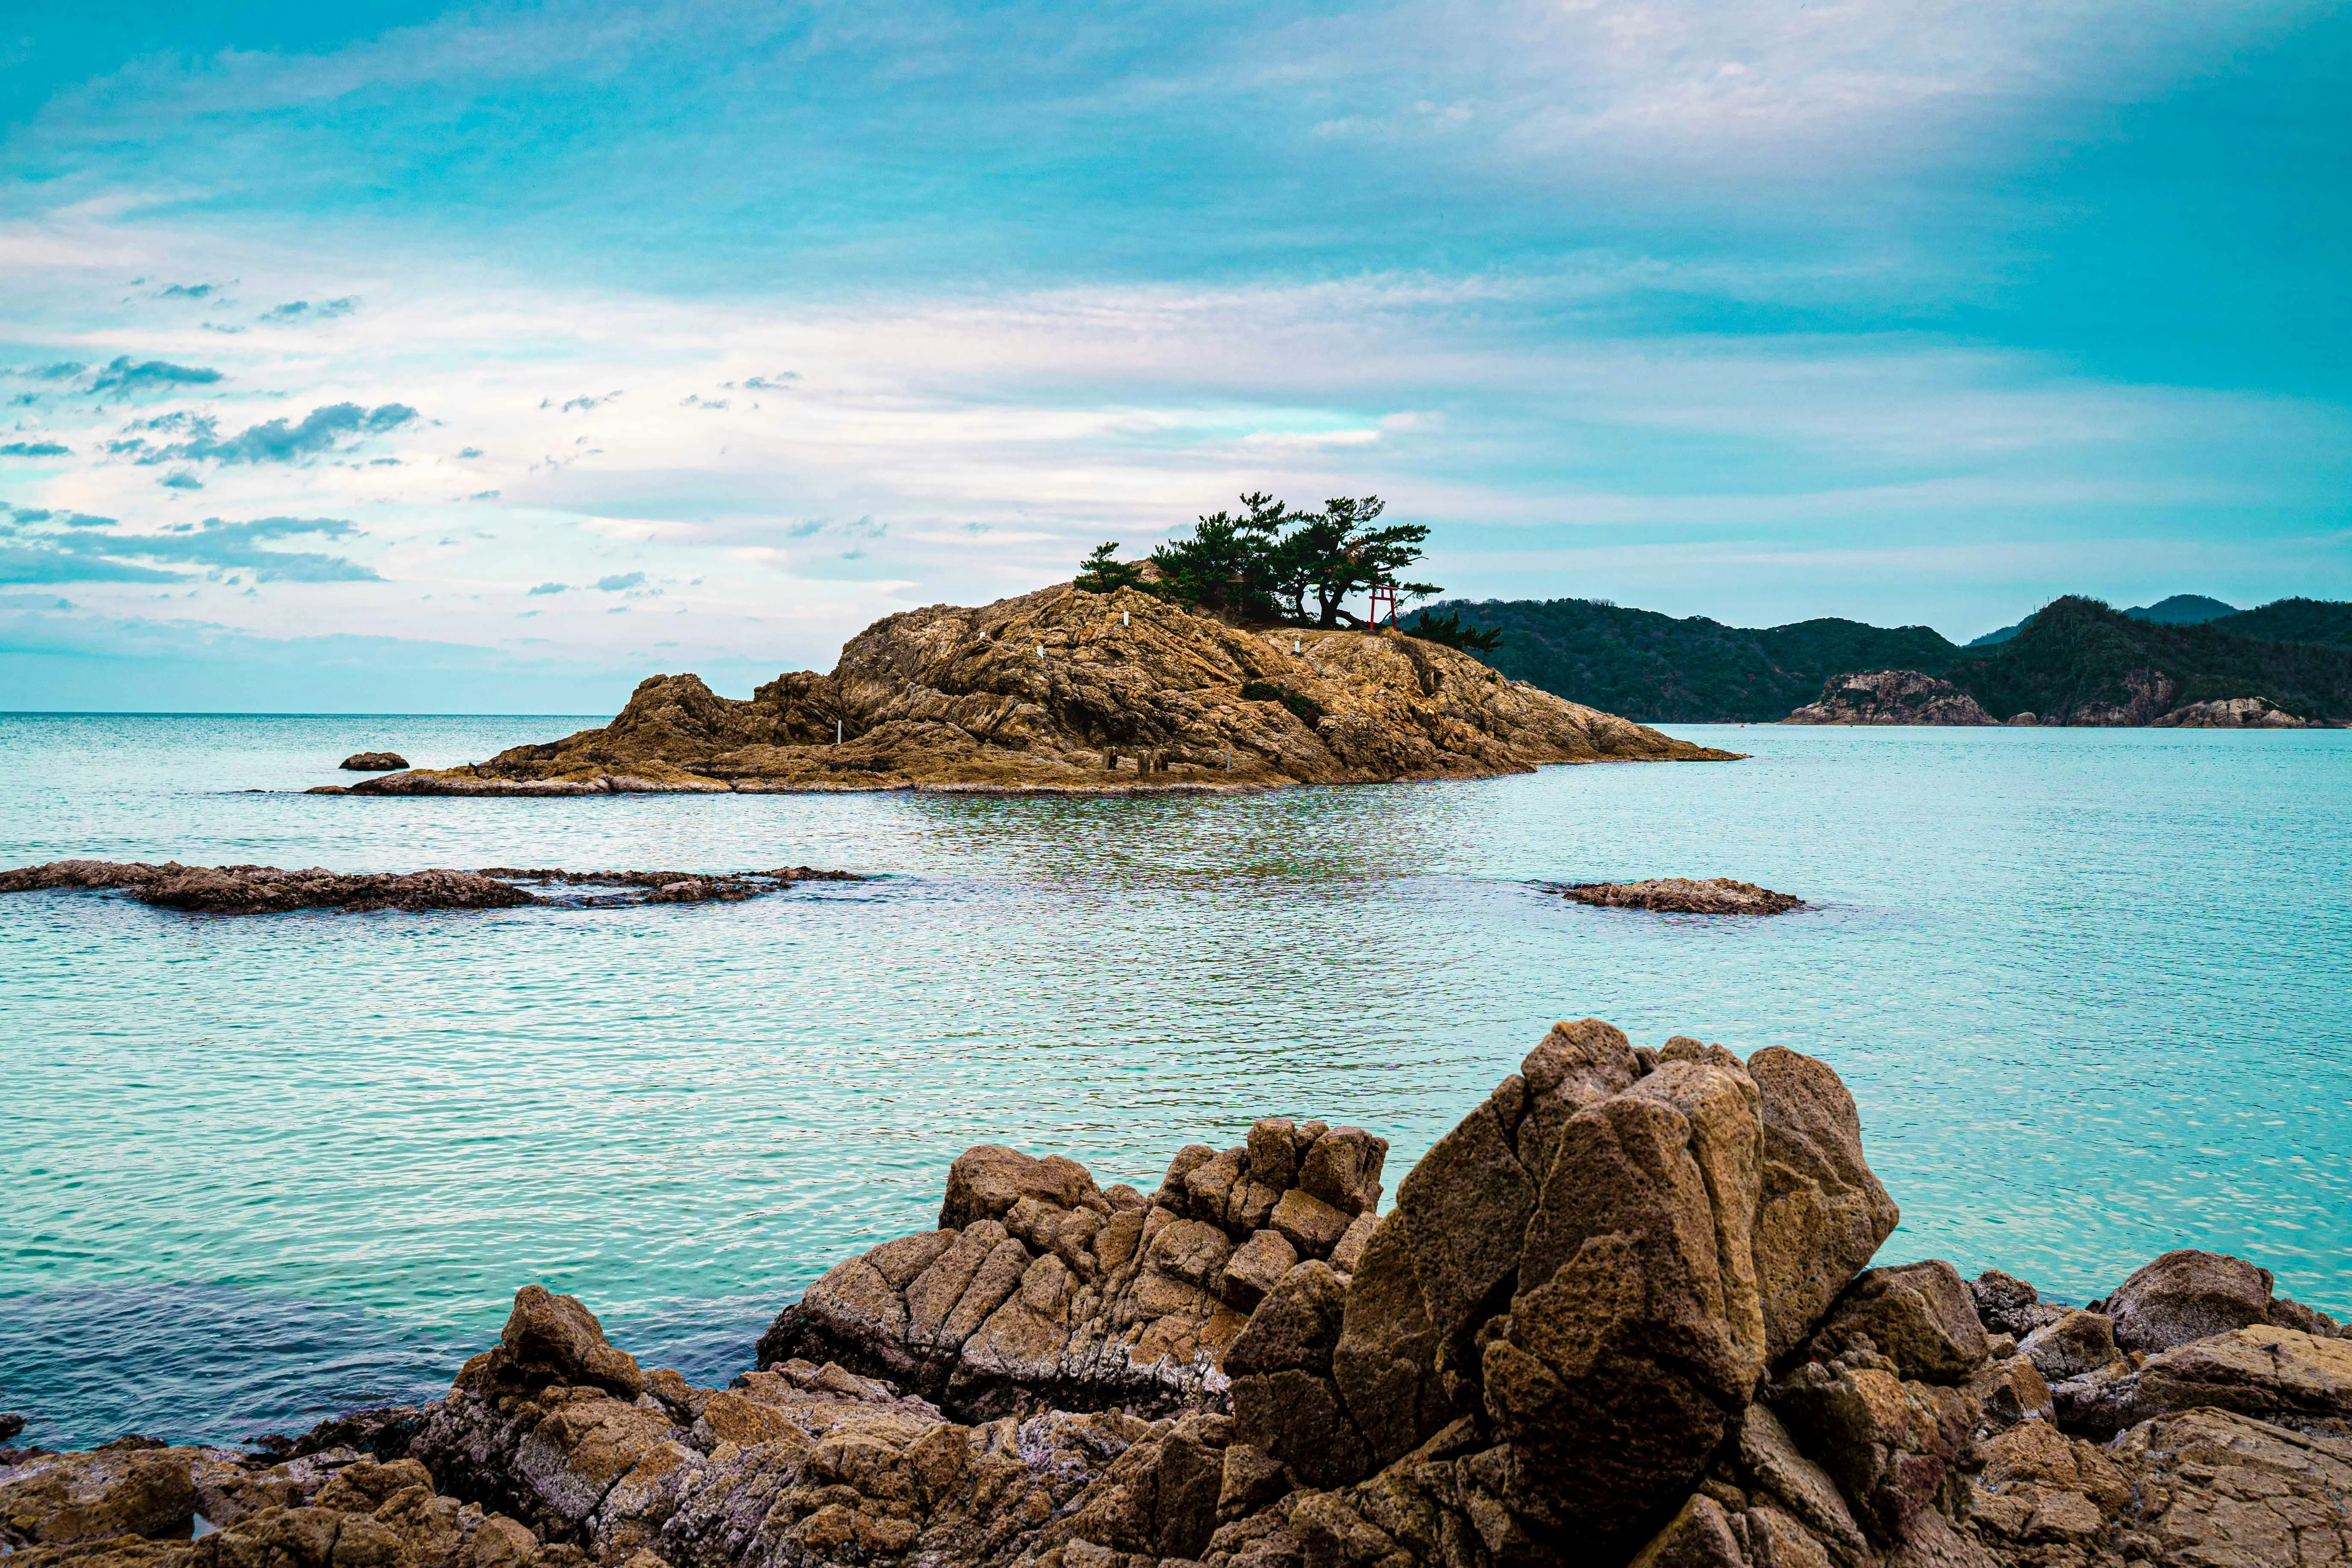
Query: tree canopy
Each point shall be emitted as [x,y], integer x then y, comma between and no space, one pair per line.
[1269,563]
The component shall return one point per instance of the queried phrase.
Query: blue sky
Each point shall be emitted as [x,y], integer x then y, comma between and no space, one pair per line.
[487,358]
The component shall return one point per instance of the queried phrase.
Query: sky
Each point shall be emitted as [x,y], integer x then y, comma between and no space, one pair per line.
[394,357]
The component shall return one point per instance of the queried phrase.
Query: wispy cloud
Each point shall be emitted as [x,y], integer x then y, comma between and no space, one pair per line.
[321,431]
[31,551]
[124,375]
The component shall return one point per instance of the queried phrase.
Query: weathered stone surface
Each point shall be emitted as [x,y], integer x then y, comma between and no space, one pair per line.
[373,762]
[2186,1294]
[2077,1343]
[2008,1305]
[2279,1375]
[1025,694]
[556,1339]
[1921,1315]
[1822,1213]
[987,1181]
[1140,1300]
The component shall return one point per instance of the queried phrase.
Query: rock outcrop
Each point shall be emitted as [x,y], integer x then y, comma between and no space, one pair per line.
[1038,1288]
[1064,690]
[1891,697]
[1681,895]
[373,762]
[1621,1314]
[266,889]
[2230,713]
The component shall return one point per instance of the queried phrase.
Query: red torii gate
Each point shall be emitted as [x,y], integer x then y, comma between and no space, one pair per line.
[1383,594]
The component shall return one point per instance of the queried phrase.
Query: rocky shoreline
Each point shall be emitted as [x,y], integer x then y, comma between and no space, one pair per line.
[1068,692]
[267,889]
[1622,1313]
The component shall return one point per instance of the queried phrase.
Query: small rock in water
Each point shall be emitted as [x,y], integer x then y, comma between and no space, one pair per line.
[1681,895]
[374,761]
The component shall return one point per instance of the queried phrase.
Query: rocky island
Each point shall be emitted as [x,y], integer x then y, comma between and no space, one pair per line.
[1621,1314]
[1071,691]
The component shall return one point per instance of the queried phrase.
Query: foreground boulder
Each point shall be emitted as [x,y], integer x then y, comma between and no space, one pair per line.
[1071,691]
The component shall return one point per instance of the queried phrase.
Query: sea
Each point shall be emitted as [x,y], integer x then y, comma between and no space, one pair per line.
[2091,988]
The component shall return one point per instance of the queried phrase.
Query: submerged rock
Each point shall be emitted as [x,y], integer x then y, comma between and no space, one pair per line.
[266,889]
[1068,692]
[1891,697]
[373,762]
[1681,895]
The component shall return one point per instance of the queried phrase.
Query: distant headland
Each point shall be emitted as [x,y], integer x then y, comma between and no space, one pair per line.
[2187,661]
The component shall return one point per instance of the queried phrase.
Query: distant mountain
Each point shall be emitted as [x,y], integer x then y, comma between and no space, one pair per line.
[1657,668]
[2319,621]
[2183,610]
[2180,610]
[2078,661]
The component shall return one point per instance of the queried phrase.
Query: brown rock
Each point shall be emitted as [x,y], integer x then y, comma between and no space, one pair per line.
[555,1339]
[1919,1314]
[2186,1294]
[1823,1213]
[373,762]
[1256,1267]
[2077,1344]
[985,1183]
[2008,1305]
[1343,1169]
[1682,895]
[1307,1223]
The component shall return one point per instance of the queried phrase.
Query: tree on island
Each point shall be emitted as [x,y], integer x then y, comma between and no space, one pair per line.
[1104,572]
[1270,564]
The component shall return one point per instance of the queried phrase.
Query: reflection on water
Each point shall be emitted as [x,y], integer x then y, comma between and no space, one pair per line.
[2089,988]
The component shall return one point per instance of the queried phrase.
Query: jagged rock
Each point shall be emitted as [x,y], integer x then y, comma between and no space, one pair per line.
[2280,1375]
[2186,1294]
[373,762]
[1681,895]
[1891,697]
[1028,693]
[1038,1288]
[2008,1305]
[2203,1487]
[1920,1315]
[2189,1294]
[2077,1344]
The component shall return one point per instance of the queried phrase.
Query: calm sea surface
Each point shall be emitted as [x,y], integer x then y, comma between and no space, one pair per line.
[2092,988]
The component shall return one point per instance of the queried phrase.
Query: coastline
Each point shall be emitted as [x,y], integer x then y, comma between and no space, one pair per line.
[1259,1338]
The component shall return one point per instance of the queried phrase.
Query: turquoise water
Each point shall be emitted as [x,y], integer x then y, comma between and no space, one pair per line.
[2090,988]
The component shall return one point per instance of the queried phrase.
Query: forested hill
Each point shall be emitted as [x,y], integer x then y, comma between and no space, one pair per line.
[2321,621]
[1656,668]
[2076,658]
